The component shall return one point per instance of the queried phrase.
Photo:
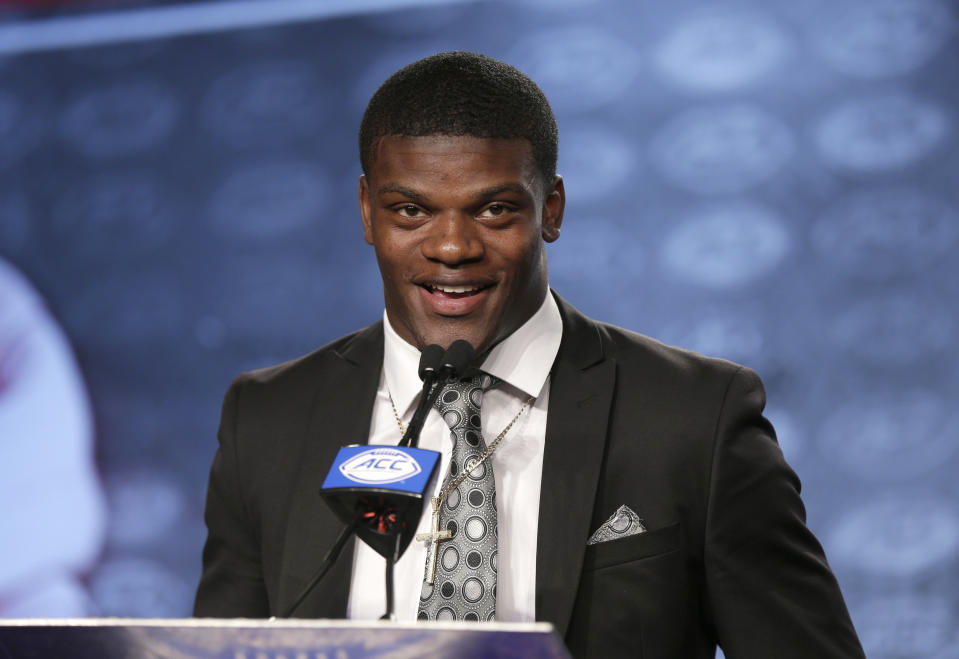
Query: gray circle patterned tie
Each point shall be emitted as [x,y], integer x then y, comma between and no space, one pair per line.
[464,587]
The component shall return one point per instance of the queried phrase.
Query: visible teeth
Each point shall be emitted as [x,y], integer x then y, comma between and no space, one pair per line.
[456,289]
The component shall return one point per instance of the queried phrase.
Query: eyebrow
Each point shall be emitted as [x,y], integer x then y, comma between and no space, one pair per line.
[485,193]
[499,189]
[401,190]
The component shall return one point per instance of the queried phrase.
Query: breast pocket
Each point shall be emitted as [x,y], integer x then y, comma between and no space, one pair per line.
[632,548]
[634,596]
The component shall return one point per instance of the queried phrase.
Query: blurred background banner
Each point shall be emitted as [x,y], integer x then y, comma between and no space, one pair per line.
[771,182]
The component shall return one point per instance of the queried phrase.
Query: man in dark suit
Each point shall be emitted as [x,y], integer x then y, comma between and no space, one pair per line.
[644,506]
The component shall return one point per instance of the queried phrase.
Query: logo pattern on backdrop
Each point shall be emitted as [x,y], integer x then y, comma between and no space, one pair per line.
[265,103]
[721,52]
[903,327]
[887,231]
[722,149]
[886,438]
[120,118]
[268,199]
[592,69]
[130,207]
[900,534]
[726,246]
[884,38]
[878,133]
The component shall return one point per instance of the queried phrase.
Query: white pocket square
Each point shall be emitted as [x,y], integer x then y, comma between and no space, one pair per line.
[623,523]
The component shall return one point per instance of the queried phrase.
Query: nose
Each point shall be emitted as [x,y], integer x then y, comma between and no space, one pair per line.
[453,240]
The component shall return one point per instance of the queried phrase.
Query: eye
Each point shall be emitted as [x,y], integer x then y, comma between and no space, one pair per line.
[494,210]
[408,211]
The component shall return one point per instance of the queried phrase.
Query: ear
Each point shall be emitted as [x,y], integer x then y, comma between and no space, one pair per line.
[366,210]
[553,207]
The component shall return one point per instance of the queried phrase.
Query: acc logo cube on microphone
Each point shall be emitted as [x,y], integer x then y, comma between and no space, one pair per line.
[380,491]
[380,466]
[400,468]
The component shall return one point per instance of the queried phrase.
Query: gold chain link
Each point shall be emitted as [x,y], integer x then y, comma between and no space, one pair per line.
[488,452]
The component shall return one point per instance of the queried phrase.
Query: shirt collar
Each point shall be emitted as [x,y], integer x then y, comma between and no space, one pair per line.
[522,360]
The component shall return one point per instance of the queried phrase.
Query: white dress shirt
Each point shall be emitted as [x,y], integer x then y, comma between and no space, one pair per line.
[522,362]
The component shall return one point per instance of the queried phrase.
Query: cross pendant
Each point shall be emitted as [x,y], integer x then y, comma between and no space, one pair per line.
[433,537]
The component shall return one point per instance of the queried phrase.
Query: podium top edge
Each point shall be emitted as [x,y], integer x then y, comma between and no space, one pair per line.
[286,623]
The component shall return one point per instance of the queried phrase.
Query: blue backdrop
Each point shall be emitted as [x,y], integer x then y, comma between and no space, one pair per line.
[771,182]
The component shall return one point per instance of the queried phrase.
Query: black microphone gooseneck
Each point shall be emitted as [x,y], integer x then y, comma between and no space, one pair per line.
[431,359]
[334,552]
[454,363]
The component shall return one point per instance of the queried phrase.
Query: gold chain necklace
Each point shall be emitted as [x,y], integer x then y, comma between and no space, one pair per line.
[434,536]
[475,463]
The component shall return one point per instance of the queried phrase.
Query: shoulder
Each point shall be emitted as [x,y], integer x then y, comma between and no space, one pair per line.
[645,362]
[679,385]
[362,345]
[289,386]
[271,407]
[671,400]
[639,354]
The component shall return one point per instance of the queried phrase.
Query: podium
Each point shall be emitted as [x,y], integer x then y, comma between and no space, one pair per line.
[126,638]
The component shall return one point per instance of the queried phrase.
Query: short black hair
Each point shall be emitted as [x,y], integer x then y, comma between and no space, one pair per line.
[461,93]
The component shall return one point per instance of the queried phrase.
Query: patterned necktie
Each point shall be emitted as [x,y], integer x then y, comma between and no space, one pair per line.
[464,587]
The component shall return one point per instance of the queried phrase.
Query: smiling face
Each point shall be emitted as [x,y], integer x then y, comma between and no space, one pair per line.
[458,225]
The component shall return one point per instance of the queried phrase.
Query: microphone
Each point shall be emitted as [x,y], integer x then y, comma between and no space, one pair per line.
[378,491]
[384,488]
[457,359]
[430,360]
[436,371]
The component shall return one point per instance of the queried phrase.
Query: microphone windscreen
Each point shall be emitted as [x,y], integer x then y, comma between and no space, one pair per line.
[458,357]
[430,359]
[384,487]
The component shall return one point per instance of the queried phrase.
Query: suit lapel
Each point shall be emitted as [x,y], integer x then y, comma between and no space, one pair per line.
[340,415]
[581,390]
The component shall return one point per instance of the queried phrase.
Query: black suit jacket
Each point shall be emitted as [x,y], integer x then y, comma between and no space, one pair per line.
[677,437]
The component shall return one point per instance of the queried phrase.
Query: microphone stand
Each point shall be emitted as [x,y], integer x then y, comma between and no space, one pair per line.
[454,362]
[390,563]
[325,566]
